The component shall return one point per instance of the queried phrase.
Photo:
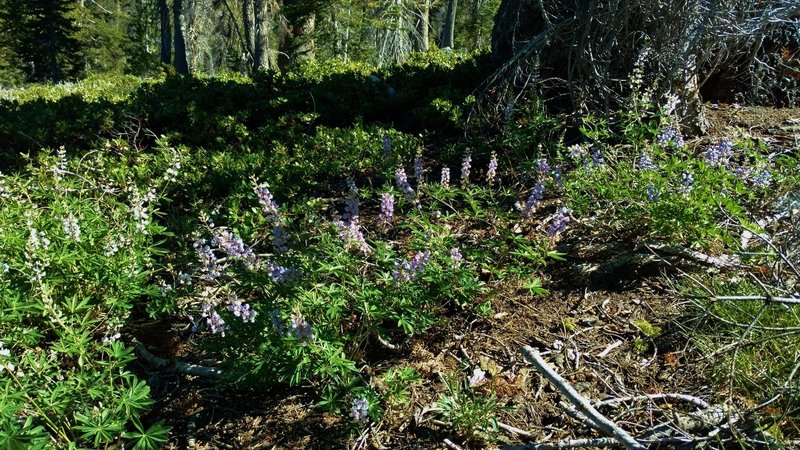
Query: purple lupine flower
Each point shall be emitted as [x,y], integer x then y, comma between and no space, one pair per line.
[455,255]
[359,409]
[234,247]
[408,269]
[597,157]
[466,166]
[387,145]
[558,175]
[419,170]
[301,329]
[687,182]
[645,163]
[241,309]
[762,179]
[670,136]
[743,172]
[351,208]
[209,267]
[351,234]
[278,273]
[268,204]
[560,222]
[491,171]
[542,166]
[387,209]
[533,200]
[719,154]
[652,192]
[279,239]
[402,183]
[277,321]
[216,323]
[577,151]
[445,180]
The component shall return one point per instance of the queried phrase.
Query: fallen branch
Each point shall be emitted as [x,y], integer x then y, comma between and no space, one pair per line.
[722,262]
[176,366]
[581,403]
[683,397]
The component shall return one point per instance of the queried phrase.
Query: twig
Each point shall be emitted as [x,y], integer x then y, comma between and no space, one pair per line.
[683,397]
[608,349]
[176,366]
[514,430]
[723,262]
[452,444]
[581,403]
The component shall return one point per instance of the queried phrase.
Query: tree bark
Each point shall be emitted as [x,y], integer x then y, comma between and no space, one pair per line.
[449,28]
[180,64]
[166,32]
[424,26]
[261,57]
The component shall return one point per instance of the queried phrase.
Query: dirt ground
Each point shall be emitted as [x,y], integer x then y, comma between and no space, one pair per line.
[589,328]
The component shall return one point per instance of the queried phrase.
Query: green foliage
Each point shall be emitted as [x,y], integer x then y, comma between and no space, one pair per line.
[41,38]
[78,253]
[470,412]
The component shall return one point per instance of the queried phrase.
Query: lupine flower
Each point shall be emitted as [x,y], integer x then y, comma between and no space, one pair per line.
[542,166]
[419,170]
[671,103]
[597,157]
[387,208]
[466,166]
[61,165]
[3,188]
[184,279]
[387,145]
[406,270]
[558,175]
[301,329]
[234,247]
[687,182]
[762,179]
[110,338]
[445,180]
[719,154]
[241,310]
[71,228]
[209,267]
[216,323]
[652,193]
[670,135]
[172,172]
[577,151]
[455,255]
[278,273]
[139,210]
[743,172]
[359,409]
[560,222]
[645,163]
[268,204]
[491,172]
[277,321]
[402,183]
[351,208]
[279,240]
[530,205]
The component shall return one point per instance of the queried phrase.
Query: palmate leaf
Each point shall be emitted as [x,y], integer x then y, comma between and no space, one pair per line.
[152,438]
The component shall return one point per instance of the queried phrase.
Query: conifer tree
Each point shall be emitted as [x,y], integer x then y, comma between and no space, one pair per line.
[41,37]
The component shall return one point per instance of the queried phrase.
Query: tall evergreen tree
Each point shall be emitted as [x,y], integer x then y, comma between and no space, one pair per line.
[41,37]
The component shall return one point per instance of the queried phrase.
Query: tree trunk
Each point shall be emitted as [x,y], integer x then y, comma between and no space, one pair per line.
[180,63]
[424,25]
[261,56]
[166,33]
[249,22]
[449,28]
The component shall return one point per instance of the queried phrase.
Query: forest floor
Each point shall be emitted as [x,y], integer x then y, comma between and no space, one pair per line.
[589,326]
